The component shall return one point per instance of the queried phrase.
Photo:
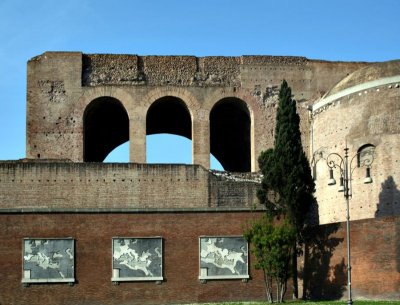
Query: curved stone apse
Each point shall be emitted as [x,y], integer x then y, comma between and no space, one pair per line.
[169,115]
[230,134]
[106,126]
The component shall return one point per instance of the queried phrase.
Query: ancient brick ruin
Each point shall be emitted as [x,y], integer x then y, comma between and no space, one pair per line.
[82,106]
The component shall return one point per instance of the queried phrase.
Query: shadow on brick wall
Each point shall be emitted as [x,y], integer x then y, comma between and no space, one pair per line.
[389,199]
[320,280]
[389,205]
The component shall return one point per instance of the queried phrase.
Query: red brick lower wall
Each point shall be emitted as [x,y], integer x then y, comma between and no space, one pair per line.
[375,245]
[93,233]
[375,260]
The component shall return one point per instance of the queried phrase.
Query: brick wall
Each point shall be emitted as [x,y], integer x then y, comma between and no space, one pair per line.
[67,185]
[375,246]
[61,85]
[93,234]
[375,260]
[372,117]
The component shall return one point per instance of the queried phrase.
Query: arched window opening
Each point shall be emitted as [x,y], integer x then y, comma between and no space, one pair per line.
[169,132]
[365,155]
[230,125]
[106,126]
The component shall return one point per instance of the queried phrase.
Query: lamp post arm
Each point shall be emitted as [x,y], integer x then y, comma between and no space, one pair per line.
[351,169]
[332,161]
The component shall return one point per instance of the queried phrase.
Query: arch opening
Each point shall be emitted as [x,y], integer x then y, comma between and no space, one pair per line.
[106,126]
[168,120]
[230,138]
[169,114]
[365,154]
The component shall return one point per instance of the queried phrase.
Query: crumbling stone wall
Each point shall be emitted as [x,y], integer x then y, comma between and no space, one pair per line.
[219,71]
[169,70]
[111,70]
[106,69]
[61,85]
[93,202]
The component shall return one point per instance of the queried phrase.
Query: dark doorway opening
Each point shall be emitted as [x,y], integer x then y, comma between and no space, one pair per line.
[106,126]
[230,125]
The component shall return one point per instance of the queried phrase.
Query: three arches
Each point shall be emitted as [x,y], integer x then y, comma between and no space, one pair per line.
[106,126]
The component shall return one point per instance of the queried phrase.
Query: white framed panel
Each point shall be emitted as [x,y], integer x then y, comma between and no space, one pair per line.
[48,260]
[137,259]
[223,257]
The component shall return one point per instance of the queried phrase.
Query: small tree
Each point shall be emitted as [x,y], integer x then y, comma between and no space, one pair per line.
[272,246]
[283,238]
[287,187]
[259,237]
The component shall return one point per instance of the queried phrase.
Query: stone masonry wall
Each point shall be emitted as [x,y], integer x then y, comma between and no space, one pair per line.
[62,84]
[112,70]
[107,69]
[169,70]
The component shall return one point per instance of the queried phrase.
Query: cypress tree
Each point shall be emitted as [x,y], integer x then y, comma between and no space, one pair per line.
[287,187]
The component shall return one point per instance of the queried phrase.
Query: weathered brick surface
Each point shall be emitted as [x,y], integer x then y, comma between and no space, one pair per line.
[111,70]
[375,260]
[220,70]
[370,116]
[374,245]
[67,185]
[368,73]
[93,234]
[61,85]
[169,70]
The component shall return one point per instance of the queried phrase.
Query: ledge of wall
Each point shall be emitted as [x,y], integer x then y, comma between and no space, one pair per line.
[103,187]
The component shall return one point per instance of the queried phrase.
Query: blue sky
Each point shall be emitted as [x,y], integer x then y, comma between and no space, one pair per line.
[358,30]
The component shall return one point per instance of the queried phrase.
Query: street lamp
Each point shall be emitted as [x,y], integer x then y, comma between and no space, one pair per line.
[336,161]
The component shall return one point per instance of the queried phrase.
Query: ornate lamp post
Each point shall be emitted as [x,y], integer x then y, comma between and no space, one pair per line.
[336,161]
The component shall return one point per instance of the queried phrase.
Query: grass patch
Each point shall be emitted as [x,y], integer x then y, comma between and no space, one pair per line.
[344,302]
